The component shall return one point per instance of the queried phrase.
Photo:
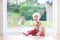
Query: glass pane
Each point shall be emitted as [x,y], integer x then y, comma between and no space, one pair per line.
[20,12]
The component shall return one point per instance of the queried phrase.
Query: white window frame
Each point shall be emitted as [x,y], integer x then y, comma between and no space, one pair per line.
[5,17]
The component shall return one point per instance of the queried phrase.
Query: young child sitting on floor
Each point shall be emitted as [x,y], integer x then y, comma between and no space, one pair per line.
[38,27]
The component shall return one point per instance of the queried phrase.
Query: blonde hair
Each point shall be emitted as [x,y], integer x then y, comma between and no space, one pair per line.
[36,13]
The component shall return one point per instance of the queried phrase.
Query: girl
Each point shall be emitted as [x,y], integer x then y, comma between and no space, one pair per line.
[38,27]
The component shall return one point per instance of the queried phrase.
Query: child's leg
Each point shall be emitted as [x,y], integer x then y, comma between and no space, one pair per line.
[25,33]
[31,32]
[41,33]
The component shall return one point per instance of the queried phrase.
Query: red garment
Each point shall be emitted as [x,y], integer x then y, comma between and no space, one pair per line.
[36,33]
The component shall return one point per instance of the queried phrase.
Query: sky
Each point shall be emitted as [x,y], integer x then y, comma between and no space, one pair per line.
[42,1]
[39,1]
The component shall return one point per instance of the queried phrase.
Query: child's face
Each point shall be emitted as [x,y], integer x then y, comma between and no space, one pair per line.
[36,18]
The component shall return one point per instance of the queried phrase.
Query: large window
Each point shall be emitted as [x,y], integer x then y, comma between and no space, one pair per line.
[24,9]
[19,14]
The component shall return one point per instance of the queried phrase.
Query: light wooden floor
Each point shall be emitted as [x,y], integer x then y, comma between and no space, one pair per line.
[22,37]
[58,37]
[1,37]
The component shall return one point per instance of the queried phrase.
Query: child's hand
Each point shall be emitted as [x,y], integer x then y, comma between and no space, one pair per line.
[38,23]
[42,33]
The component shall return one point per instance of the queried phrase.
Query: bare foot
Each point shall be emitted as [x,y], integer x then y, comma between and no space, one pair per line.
[25,34]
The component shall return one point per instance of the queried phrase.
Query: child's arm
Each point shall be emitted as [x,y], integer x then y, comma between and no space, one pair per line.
[41,28]
[41,31]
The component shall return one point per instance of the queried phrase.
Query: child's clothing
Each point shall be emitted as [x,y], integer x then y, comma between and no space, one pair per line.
[35,32]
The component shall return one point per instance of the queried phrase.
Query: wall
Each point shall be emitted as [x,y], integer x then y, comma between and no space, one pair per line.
[58,16]
[1,16]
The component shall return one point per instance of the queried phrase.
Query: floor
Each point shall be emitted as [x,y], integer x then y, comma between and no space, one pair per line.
[58,37]
[18,30]
[1,37]
[22,37]
[14,34]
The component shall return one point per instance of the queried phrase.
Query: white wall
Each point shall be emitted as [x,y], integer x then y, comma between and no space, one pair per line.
[58,16]
[1,16]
